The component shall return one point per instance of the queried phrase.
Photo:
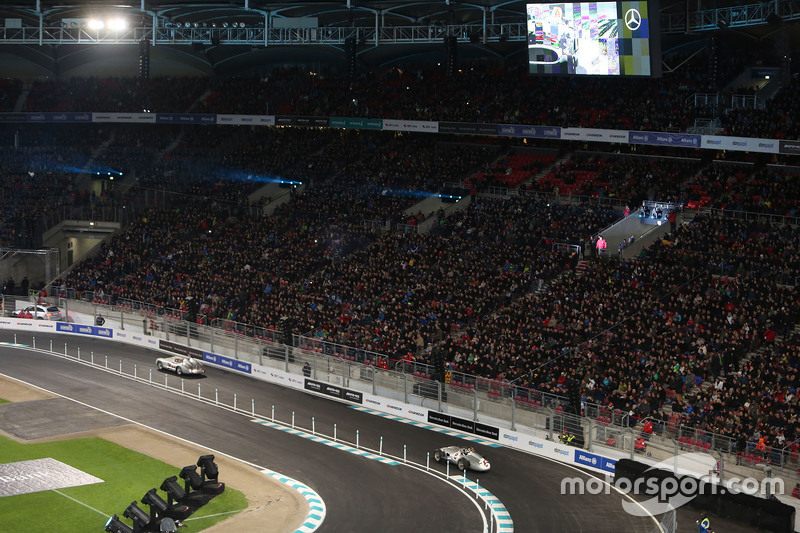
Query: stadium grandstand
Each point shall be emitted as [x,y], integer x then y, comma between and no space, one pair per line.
[396,181]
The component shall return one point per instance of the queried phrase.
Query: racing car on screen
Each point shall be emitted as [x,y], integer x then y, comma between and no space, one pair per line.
[181,364]
[463,458]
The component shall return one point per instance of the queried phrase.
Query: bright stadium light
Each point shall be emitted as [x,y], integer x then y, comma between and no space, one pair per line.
[95,24]
[117,24]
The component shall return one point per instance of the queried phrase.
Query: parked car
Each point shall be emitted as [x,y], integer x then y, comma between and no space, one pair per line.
[40,312]
[463,458]
[181,364]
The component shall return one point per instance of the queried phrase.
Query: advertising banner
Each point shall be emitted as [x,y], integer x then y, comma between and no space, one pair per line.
[13,117]
[740,144]
[185,118]
[410,125]
[534,132]
[227,362]
[789,147]
[179,349]
[59,117]
[311,122]
[134,118]
[686,140]
[356,123]
[595,461]
[596,135]
[94,331]
[333,390]
[467,128]
[462,424]
[246,120]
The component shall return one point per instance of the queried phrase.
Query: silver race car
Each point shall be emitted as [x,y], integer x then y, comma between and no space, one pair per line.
[181,364]
[463,458]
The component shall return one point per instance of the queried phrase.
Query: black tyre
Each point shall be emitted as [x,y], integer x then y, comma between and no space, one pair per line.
[159,365]
[437,456]
[462,464]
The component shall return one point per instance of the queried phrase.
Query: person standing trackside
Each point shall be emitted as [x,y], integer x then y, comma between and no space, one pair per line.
[307,370]
[672,217]
[704,525]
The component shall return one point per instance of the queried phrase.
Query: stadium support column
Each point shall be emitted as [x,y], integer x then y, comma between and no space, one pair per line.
[786,70]
[713,63]
[451,52]
[144,59]
[350,56]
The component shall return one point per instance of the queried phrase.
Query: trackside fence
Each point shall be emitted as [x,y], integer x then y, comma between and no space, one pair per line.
[195,388]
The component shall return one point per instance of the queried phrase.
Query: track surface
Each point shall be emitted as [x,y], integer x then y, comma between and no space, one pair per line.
[361,495]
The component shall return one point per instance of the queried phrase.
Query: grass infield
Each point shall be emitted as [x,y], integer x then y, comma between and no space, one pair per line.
[127,476]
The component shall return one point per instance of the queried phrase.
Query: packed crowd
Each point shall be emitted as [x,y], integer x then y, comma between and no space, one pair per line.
[691,333]
[486,93]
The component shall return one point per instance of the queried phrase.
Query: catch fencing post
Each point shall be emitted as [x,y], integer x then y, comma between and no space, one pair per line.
[334,433]
[292,419]
[313,426]
[34,343]
[380,449]
[273,413]
[253,406]
[356,439]
[234,402]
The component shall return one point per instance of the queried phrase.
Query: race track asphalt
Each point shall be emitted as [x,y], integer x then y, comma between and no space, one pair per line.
[361,495]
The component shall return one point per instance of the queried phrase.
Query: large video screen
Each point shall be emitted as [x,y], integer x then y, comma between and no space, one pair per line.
[593,38]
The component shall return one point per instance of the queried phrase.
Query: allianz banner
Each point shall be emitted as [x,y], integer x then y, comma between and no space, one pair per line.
[532,132]
[685,140]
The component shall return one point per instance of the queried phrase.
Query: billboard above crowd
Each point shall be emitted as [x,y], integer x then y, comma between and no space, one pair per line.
[527,131]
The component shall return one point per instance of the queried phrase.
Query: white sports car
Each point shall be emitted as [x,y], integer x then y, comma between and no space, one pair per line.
[181,364]
[463,458]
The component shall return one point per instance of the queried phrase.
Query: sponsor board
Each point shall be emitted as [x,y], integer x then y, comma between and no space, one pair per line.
[311,122]
[597,135]
[356,123]
[686,140]
[227,362]
[13,117]
[185,118]
[174,347]
[137,118]
[248,120]
[462,424]
[410,125]
[59,117]
[595,461]
[740,144]
[94,331]
[789,147]
[467,128]
[333,390]
[536,132]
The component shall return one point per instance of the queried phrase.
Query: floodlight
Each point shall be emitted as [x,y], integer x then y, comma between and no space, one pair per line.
[192,479]
[174,491]
[208,468]
[117,24]
[139,517]
[115,525]
[157,504]
[95,24]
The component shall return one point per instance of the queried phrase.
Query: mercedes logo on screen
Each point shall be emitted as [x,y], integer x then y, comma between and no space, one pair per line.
[633,19]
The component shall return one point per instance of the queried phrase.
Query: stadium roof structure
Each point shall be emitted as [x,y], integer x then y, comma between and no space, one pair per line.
[239,35]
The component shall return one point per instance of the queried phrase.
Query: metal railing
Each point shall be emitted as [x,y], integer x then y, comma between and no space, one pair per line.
[491,401]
